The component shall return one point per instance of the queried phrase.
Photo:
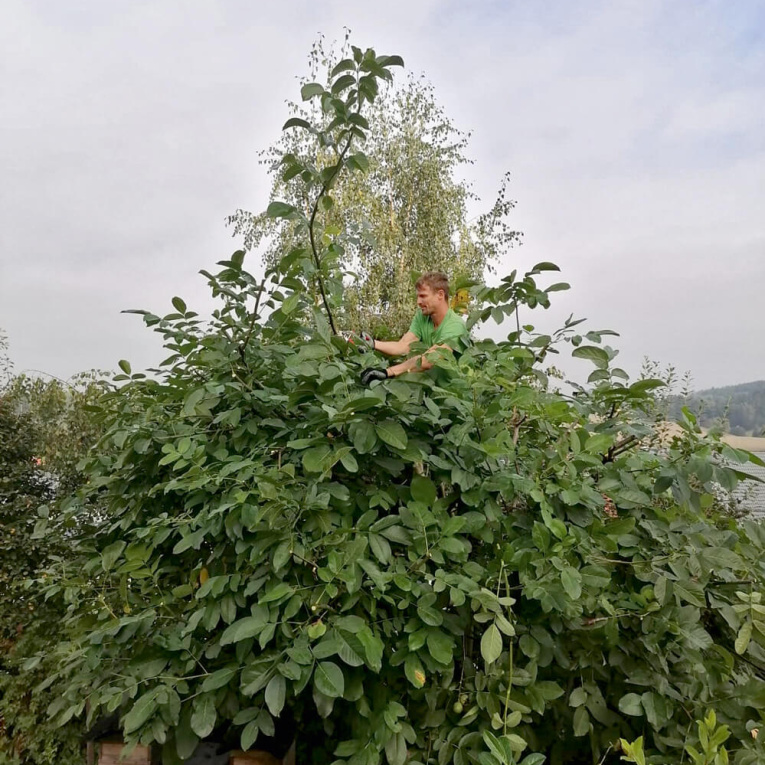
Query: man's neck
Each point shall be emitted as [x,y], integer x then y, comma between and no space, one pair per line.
[438,315]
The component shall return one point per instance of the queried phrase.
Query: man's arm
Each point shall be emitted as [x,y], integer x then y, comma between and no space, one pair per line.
[417,363]
[396,347]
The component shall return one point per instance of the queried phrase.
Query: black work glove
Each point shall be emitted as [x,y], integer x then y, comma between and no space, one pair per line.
[373,373]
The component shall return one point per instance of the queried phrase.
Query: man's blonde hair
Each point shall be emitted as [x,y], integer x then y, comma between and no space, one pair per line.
[435,280]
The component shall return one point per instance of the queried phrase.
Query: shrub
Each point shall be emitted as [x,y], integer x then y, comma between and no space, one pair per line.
[458,566]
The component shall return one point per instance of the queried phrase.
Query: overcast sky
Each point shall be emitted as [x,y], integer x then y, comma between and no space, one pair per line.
[634,131]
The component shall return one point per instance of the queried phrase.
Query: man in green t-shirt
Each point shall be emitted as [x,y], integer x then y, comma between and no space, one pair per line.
[435,324]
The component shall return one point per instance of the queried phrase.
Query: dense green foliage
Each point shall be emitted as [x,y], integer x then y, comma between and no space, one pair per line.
[44,431]
[740,409]
[408,213]
[711,744]
[457,566]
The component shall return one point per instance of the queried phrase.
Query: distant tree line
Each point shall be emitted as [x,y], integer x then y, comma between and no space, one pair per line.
[740,409]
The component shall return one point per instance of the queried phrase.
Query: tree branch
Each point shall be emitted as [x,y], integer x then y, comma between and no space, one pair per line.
[243,345]
[619,448]
[316,257]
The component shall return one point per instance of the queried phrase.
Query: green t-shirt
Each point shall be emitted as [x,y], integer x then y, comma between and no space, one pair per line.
[451,331]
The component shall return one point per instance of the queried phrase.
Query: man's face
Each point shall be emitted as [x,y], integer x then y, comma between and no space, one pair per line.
[428,300]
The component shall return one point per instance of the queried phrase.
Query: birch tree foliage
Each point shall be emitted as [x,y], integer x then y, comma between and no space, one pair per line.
[410,212]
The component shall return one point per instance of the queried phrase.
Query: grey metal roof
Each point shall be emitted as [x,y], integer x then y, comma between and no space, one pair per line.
[751,494]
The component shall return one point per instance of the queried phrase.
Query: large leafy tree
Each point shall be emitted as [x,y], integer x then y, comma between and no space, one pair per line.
[45,429]
[406,214]
[454,567]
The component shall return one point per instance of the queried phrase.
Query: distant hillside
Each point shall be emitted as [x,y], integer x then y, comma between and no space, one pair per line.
[740,408]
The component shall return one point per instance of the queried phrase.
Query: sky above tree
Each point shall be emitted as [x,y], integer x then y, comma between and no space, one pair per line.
[633,132]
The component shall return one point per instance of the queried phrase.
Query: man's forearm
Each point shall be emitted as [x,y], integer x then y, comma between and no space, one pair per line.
[415,364]
[391,347]
[420,363]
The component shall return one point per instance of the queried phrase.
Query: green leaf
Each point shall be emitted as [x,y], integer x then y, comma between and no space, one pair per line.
[245,628]
[329,680]
[535,758]
[277,592]
[491,644]
[642,386]
[363,436]
[414,671]
[423,490]
[395,749]
[282,555]
[655,709]
[373,648]
[124,366]
[440,646]
[544,266]
[581,721]
[341,83]
[358,119]
[660,589]
[391,61]
[517,743]
[290,172]
[140,712]
[633,496]
[350,654]
[349,462]
[720,558]
[591,353]
[204,715]
[276,692]
[361,403]
[311,89]
[691,592]
[359,161]
[327,647]
[290,304]
[630,704]
[179,305]
[315,460]
[392,433]
[743,637]
[297,122]
[190,540]
[345,65]
[496,747]
[110,554]
[549,690]
[219,678]
[572,582]
[316,630]
[279,210]
[186,741]
[380,548]
[249,735]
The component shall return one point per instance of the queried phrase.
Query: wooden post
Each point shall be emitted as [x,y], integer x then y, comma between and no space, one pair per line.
[111,752]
